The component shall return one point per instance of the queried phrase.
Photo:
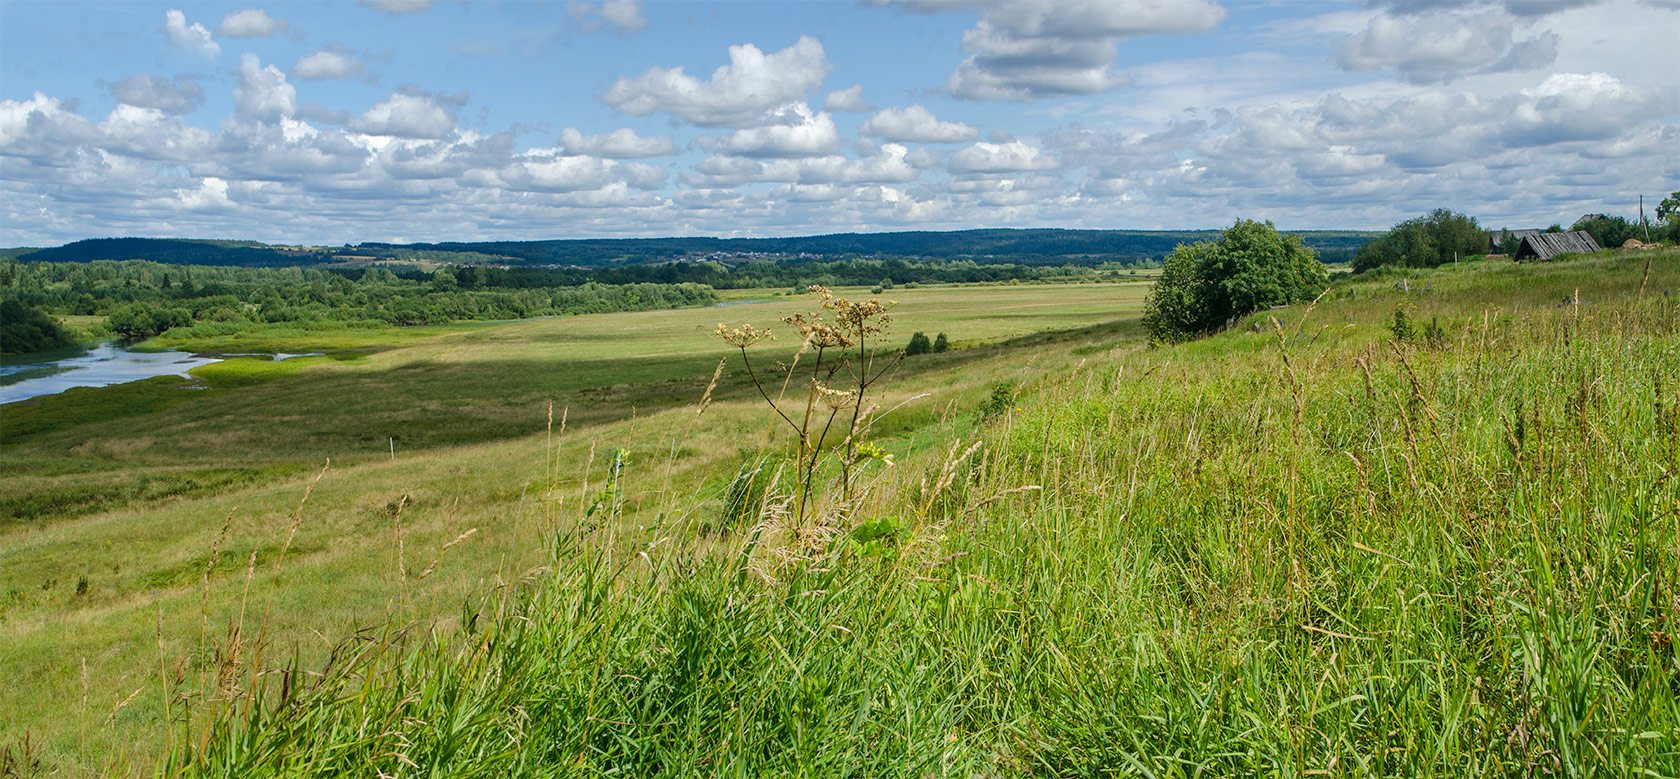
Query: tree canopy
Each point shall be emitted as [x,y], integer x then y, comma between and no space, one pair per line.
[1425,242]
[1205,285]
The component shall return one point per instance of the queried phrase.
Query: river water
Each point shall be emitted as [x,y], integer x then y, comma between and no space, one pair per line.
[102,365]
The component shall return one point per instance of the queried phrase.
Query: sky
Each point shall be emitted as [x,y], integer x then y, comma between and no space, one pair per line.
[434,120]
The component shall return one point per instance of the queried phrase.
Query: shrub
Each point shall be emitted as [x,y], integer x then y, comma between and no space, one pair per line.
[919,344]
[1206,285]
[1001,401]
[941,343]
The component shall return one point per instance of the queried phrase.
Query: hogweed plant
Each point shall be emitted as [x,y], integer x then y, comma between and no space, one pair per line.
[840,347]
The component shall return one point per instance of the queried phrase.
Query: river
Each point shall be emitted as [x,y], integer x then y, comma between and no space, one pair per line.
[103,365]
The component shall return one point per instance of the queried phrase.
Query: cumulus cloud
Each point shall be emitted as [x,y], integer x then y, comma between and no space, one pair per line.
[150,134]
[622,143]
[887,166]
[848,99]
[326,64]
[752,83]
[39,127]
[405,116]
[791,131]
[210,194]
[179,95]
[1433,48]
[624,16]
[1031,49]
[194,37]
[916,124]
[399,6]
[1012,157]
[1516,7]
[1569,107]
[251,23]
[263,94]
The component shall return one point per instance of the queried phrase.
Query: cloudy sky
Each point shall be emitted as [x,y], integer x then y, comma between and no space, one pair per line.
[414,120]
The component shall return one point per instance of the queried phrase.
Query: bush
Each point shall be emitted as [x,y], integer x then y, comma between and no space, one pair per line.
[941,343]
[1001,401]
[919,344]
[1252,266]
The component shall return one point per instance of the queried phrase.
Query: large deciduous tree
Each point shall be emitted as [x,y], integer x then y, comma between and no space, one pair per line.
[1205,285]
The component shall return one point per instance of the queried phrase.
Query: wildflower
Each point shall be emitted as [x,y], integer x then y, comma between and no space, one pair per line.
[740,337]
[835,399]
[871,451]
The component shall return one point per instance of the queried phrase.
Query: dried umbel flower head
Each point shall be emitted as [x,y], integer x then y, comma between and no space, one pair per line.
[825,336]
[836,399]
[863,318]
[740,337]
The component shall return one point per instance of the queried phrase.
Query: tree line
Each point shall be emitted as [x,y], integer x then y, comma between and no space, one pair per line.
[141,298]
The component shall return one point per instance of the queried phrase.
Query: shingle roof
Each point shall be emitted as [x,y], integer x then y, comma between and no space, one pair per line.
[1544,246]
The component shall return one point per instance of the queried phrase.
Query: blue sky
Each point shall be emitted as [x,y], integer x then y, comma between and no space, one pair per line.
[407,120]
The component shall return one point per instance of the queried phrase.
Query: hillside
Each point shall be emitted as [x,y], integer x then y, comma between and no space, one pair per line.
[1421,527]
[1032,247]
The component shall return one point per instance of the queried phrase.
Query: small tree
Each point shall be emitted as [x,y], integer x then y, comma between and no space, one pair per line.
[941,344]
[919,344]
[1424,242]
[1251,266]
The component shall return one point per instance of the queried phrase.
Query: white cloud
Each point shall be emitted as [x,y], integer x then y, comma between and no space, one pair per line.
[887,166]
[1439,47]
[1031,49]
[624,16]
[791,131]
[263,94]
[150,134]
[40,126]
[1570,107]
[399,6]
[405,116]
[251,23]
[1516,7]
[211,194]
[1012,157]
[851,99]
[916,124]
[194,38]
[622,143]
[179,95]
[326,64]
[752,82]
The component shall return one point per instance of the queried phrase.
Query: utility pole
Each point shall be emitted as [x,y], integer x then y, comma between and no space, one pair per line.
[1642,218]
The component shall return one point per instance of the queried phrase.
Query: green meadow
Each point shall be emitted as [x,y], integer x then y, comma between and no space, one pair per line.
[115,496]
[1423,526]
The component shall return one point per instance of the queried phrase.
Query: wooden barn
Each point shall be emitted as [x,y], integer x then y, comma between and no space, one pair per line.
[1544,246]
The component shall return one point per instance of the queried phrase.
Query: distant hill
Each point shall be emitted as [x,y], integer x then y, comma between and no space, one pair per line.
[249,254]
[1029,247]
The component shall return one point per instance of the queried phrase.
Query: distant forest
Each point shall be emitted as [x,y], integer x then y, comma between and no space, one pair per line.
[984,247]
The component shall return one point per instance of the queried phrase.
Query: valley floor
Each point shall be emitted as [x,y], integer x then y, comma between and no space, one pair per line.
[1423,528]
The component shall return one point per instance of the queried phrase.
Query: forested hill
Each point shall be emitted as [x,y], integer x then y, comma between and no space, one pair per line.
[1030,247]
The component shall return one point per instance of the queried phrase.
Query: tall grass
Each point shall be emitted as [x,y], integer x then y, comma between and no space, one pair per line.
[1297,549]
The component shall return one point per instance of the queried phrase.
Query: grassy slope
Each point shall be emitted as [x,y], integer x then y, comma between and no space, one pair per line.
[468,410]
[1267,553]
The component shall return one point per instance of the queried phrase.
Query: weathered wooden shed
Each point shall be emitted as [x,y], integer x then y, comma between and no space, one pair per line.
[1544,246]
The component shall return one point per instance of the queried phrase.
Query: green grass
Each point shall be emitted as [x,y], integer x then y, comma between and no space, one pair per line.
[1289,550]
[128,486]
